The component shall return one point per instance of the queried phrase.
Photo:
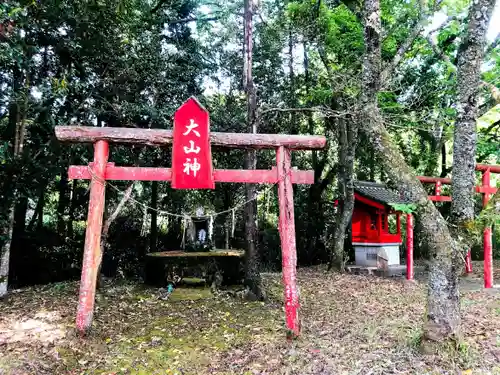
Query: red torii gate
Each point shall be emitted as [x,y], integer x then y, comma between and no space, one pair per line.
[487,190]
[101,170]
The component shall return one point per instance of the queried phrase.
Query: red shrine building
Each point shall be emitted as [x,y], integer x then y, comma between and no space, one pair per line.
[376,226]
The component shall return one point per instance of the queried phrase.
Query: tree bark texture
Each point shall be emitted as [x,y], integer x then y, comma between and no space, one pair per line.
[252,272]
[347,134]
[470,58]
[163,137]
[443,304]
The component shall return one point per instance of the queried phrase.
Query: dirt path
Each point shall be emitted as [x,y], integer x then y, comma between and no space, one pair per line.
[351,325]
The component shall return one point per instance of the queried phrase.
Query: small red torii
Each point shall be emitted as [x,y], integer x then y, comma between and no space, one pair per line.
[487,190]
[191,169]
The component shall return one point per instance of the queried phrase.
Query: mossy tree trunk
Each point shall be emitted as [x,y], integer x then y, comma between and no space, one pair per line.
[443,304]
[470,58]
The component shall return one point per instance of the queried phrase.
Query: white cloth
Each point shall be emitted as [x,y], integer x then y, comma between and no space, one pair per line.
[202,234]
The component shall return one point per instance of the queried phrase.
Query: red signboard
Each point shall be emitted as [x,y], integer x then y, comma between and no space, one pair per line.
[191,154]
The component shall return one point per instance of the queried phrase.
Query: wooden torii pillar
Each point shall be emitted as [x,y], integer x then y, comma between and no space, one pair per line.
[101,171]
[487,190]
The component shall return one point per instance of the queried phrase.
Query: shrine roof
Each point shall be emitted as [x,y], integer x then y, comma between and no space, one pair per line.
[379,193]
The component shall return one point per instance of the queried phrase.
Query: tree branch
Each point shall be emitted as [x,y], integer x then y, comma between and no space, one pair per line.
[416,30]
[401,52]
[324,60]
[329,177]
[114,215]
[193,19]
[440,53]
[443,25]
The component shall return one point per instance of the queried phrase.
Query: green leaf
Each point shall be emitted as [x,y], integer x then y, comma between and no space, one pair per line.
[405,208]
[14,11]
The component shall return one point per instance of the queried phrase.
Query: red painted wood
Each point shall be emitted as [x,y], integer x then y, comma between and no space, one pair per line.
[437,188]
[163,137]
[288,246]
[361,225]
[468,262]
[369,202]
[486,189]
[487,237]
[493,168]
[92,249]
[440,198]
[409,247]
[255,176]
[191,154]
[488,258]
[433,180]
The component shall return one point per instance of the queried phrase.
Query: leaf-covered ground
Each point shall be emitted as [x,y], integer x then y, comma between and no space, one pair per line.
[351,325]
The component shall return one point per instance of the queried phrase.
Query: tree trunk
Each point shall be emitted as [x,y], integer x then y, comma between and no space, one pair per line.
[20,125]
[347,134]
[443,304]
[62,203]
[153,234]
[470,58]
[107,224]
[37,217]
[252,272]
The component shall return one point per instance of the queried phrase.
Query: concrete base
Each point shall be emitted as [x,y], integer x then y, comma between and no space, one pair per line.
[369,254]
[391,271]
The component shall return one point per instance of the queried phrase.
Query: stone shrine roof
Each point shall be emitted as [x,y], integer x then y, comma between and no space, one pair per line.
[379,192]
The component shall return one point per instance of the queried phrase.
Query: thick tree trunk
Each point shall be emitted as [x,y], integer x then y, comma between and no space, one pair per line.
[443,304]
[470,58]
[252,274]
[347,134]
